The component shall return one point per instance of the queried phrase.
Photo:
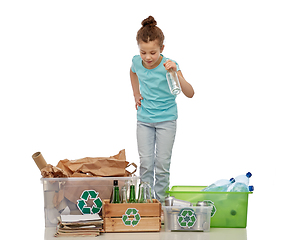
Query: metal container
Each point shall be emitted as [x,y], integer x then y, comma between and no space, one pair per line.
[173,220]
[180,218]
[202,203]
[172,201]
[202,216]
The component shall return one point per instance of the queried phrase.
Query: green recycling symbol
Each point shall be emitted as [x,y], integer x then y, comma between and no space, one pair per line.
[129,212]
[82,206]
[186,217]
[214,209]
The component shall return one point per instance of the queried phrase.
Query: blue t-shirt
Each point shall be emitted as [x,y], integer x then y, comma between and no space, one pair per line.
[158,104]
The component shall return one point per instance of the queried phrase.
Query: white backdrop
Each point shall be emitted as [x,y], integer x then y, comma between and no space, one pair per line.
[65,91]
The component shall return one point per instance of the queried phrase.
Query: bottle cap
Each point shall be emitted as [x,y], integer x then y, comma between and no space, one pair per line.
[249,174]
[232,180]
[115,182]
[251,188]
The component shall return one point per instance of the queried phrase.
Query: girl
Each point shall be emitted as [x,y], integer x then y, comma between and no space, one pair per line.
[156,107]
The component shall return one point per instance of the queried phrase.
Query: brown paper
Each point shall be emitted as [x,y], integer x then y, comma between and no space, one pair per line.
[39,160]
[114,166]
[73,190]
[53,172]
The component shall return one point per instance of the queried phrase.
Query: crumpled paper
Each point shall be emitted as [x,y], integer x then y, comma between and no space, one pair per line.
[114,166]
[53,172]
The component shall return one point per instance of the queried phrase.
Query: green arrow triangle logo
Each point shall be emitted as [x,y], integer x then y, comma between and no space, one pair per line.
[85,196]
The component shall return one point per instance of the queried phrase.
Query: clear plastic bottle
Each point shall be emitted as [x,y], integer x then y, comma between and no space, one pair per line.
[219,186]
[173,82]
[244,178]
[241,184]
[241,187]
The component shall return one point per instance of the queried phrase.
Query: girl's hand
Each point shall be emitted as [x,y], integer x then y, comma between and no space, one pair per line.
[170,65]
[138,99]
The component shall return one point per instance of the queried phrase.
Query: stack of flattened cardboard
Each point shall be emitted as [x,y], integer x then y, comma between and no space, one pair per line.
[79,225]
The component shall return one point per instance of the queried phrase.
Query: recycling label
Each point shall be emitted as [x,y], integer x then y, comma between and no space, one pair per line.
[214,209]
[85,196]
[186,217]
[129,213]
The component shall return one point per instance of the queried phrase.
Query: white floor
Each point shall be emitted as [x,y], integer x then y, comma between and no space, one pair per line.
[214,234]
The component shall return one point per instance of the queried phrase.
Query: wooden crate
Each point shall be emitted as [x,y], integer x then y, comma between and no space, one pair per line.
[132,217]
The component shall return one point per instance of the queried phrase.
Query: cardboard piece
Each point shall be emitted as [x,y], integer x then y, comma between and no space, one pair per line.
[39,160]
[79,225]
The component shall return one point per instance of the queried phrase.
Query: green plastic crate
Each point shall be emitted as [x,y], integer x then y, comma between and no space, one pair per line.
[230,208]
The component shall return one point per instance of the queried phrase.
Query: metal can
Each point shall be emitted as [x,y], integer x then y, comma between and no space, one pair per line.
[202,203]
[172,201]
[201,216]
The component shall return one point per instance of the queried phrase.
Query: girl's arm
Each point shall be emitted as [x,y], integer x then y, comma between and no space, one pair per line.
[136,89]
[186,87]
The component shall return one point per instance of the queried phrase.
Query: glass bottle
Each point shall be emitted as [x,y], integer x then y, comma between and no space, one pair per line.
[173,82]
[145,193]
[132,197]
[116,196]
[123,195]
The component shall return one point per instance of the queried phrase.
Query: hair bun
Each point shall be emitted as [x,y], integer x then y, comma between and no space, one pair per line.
[150,21]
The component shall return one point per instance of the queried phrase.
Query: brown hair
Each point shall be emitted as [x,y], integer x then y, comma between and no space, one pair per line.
[150,32]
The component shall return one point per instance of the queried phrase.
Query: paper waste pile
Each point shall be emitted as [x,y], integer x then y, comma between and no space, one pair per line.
[79,225]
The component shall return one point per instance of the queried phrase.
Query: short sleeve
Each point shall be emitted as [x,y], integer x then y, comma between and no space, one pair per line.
[178,68]
[133,66]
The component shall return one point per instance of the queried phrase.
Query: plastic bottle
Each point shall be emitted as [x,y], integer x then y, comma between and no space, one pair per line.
[219,186]
[241,184]
[240,187]
[173,82]
[244,178]
[132,197]
[116,196]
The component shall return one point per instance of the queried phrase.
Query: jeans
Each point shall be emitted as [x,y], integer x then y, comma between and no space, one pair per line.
[155,144]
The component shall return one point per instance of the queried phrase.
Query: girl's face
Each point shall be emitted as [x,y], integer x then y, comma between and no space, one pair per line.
[150,53]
